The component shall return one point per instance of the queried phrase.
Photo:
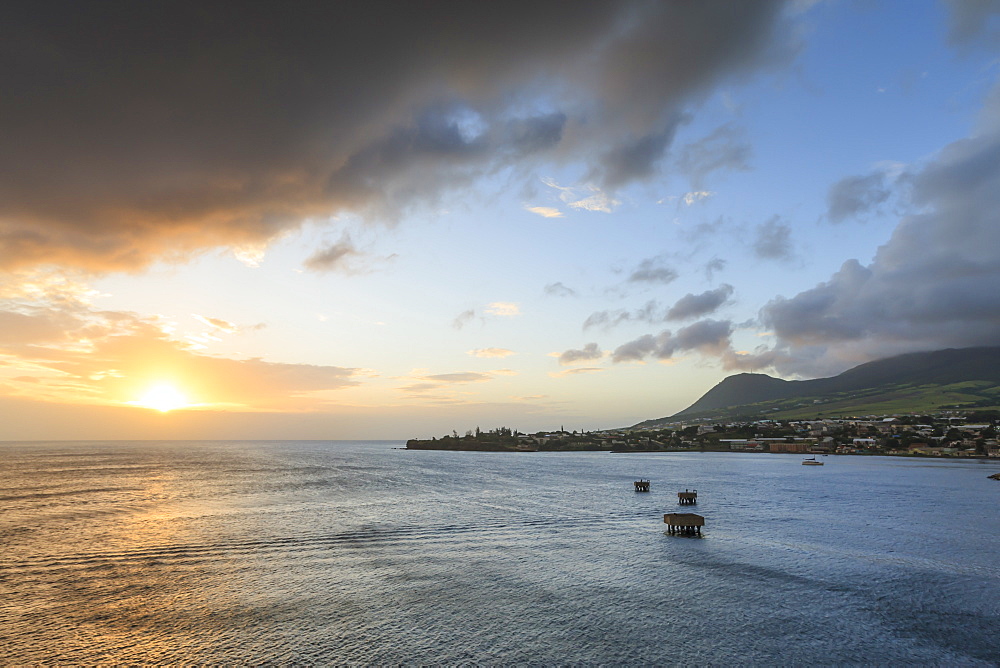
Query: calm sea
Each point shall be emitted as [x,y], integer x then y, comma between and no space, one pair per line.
[356,552]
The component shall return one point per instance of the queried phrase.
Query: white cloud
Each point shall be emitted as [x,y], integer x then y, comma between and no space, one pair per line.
[251,254]
[696,196]
[599,201]
[551,183]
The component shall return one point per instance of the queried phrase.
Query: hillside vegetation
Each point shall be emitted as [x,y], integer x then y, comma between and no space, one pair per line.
[951,379]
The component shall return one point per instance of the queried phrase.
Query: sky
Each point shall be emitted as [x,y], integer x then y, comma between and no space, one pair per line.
[385,220]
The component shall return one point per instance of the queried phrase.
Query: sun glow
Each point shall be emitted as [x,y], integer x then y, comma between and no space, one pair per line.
[163,398]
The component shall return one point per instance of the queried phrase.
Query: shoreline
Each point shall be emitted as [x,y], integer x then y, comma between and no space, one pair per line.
[698,451]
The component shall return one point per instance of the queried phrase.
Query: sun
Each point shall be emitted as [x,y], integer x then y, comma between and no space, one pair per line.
[162,397]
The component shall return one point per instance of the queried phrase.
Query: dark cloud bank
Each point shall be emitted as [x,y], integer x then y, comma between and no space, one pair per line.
[142,131]
[934,284]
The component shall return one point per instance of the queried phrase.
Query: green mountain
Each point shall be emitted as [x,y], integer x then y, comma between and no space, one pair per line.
[965,378]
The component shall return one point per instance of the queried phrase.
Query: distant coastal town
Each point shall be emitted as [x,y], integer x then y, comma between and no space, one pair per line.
[970,435]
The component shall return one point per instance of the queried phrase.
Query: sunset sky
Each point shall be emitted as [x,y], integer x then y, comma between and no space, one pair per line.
[389,220]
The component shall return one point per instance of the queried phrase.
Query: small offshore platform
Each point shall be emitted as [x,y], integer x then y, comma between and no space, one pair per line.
[684,524]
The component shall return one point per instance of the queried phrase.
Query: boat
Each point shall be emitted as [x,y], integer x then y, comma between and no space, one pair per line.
[812,461]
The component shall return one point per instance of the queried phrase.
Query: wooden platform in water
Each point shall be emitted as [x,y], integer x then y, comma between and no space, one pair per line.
[688,524]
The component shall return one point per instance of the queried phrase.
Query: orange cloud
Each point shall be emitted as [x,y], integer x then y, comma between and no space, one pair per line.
[546,211]
[113,358]
[217,323]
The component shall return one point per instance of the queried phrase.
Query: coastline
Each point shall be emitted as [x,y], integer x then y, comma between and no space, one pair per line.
[418,444]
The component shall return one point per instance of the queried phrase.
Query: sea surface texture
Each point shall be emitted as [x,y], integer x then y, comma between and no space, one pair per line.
[356,552]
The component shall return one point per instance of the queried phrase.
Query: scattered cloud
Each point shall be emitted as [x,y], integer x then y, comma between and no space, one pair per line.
[575,372]
[504,309]
[696,306]
[708,229]
[856,195]
[589,352]
[566,192]
[462,377]
[607,318]
[713,266]
[491,352]
[251,254]
[773,240]
[696,196]
[653,270]
[337,256]
[500,309]
[217,323]
[710,337]
[595,198]
[443,383]
[650,313]
[418,388]
[559,290]
[546,211]
[725,148]
[463,318]
[598,201]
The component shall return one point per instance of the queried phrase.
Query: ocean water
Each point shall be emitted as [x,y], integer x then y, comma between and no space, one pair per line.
[356,552]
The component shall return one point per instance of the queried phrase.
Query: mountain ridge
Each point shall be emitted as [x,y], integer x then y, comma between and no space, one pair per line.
[914,374]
